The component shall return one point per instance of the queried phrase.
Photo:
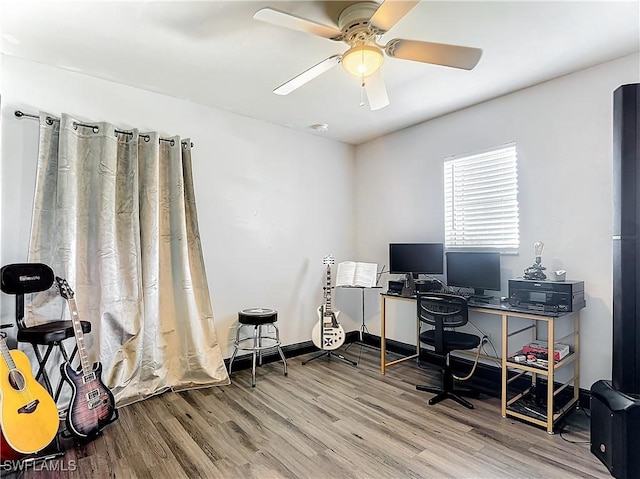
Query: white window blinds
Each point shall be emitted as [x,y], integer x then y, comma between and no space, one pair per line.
[481,200]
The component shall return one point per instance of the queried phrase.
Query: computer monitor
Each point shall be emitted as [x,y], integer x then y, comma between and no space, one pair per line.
[479,271]
[416,258]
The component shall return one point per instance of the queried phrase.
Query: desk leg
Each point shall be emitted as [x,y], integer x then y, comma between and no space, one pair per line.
[383,342]
[418,339]
[363,327]
[503,360]
[551,341]
[576,350]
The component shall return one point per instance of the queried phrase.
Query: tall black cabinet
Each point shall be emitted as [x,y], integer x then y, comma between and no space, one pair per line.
[615,404]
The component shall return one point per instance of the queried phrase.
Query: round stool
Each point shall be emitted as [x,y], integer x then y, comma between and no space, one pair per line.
[260,339]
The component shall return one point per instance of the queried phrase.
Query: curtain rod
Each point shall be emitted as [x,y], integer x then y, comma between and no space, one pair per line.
[95,128]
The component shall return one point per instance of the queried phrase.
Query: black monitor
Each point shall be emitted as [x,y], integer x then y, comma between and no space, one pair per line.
[416,258]
[475,270]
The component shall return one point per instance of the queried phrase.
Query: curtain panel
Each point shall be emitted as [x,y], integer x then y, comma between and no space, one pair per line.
[115,215]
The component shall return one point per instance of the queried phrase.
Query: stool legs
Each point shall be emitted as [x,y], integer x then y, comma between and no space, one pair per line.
[257,348]
[284,361]
[42,363]
[257,343]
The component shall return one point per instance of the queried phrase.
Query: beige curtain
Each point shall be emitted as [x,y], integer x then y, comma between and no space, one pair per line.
[115,215]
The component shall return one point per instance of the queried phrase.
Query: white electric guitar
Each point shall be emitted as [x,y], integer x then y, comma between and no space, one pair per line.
[327,333]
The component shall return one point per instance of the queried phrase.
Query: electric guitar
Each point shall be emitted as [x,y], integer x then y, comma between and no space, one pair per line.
[29,416]
[327,333]
[92,404]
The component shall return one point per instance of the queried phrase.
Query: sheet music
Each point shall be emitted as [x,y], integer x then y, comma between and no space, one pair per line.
[351,273]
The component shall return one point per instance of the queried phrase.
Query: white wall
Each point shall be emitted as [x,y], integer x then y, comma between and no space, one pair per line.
[563,133]
[271,201]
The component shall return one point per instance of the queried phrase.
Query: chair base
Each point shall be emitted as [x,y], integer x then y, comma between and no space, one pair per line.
[456,395]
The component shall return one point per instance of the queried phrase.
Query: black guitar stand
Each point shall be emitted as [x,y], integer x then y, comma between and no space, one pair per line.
[329,355]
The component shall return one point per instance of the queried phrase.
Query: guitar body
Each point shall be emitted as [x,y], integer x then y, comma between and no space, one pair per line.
[29,420]
[327,334]
[92,404]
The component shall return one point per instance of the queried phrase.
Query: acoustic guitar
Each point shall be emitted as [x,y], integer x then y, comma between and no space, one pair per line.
[92,405]
[327,334]
[29,420]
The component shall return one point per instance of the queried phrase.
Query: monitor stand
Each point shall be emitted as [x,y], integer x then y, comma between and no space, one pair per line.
[409,288]
[478,295]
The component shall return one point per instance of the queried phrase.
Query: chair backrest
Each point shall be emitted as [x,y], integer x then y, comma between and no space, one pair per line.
[451,309]
[24,278]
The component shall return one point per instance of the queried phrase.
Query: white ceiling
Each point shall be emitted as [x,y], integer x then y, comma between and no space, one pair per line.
[214,53]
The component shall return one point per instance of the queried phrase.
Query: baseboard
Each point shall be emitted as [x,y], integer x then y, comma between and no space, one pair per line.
[270,356]
[486,379]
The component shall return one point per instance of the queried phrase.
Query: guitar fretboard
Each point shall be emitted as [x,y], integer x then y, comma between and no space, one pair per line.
[77,330]
[327,293]
[6,354]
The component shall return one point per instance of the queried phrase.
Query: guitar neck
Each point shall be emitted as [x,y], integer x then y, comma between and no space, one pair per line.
[327,293]
[4,349]
[77,331]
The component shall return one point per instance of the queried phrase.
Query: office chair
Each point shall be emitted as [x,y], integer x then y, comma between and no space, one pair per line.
[25,278]
[442,311]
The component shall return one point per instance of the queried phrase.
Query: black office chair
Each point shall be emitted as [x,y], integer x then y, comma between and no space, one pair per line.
[25,278]
[443,310]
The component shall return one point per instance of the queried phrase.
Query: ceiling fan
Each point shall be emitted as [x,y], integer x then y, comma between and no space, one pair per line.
[360,25]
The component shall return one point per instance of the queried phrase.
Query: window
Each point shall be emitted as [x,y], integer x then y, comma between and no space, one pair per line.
[481,200]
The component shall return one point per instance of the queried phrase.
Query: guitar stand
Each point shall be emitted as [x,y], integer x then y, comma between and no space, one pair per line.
[49,453]
[329,355]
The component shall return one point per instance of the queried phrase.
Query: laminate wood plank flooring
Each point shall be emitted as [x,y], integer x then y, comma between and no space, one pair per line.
[326,419]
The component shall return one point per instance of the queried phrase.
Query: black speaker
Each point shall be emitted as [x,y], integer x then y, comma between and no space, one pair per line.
[615,420]
[615,405]
[22,278]
[626,243]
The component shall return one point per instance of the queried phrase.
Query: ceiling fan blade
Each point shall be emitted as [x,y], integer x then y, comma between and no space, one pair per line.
[283,19]
[308,75]
[443,54]
[390,13]
[376,91]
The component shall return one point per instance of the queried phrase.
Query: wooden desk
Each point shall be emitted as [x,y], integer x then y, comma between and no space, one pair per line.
[504,311]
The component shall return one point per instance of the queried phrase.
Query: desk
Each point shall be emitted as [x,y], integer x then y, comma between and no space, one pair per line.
[509,406]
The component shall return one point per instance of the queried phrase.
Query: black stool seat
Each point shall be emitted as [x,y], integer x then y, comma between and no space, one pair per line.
[257,316]
[54,331]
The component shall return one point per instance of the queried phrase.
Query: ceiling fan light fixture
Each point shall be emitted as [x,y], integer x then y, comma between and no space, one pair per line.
[362,60]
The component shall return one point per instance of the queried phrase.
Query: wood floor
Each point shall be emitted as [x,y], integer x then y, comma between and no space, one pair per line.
[327,419]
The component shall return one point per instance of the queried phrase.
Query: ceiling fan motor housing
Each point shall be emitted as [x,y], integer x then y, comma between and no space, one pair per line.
[354,23]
